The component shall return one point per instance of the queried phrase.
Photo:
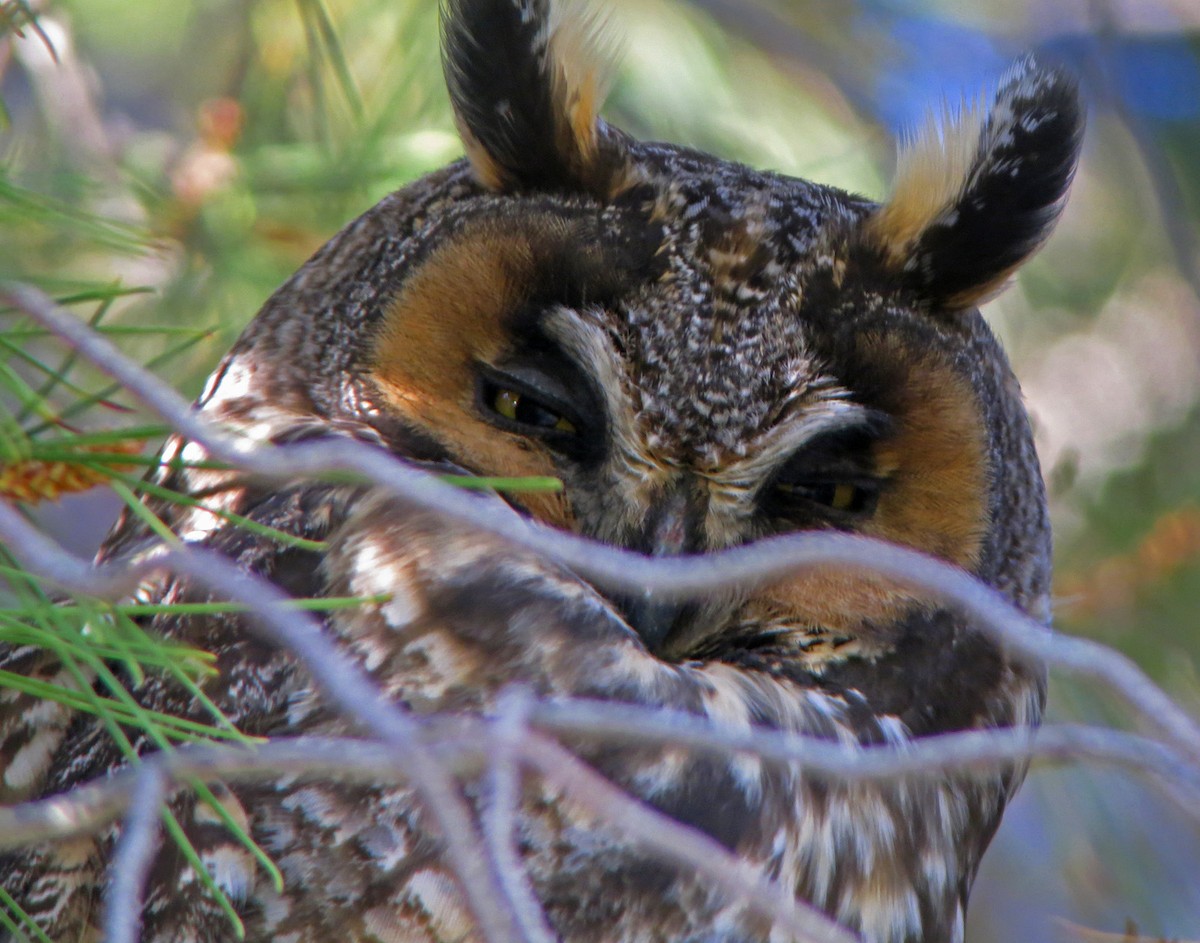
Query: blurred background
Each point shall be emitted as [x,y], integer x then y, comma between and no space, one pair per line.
[165,165]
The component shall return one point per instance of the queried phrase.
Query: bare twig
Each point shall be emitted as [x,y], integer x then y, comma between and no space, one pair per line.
[970,750]
[753,564]
[465,743]
[461,745]
[500,814]
[133,856]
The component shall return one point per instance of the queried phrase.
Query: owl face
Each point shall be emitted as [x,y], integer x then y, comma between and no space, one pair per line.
[699,372]
[706,355]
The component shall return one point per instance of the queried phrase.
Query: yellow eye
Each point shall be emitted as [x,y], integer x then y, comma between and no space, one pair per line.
[837,495]
[518,407]
[506,403]
[844,496]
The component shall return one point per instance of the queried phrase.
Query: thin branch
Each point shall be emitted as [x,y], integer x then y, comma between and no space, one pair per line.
[685,577]
[962,751]
[133,856]
[462,744]
[500,813]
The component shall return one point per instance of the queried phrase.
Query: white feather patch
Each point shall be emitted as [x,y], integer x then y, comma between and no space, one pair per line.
[933,169]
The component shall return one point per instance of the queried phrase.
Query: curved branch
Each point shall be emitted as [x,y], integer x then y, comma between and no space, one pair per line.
[499,814]
[462,745]
[133,857]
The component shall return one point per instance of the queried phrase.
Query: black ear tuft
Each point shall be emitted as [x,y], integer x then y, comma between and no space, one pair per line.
[977,195]
[526,82]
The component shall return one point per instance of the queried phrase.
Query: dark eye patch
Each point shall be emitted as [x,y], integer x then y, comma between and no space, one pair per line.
[538,391]
[830,479]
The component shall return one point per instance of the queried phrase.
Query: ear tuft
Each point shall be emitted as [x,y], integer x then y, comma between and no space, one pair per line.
[526,82]
[978,193]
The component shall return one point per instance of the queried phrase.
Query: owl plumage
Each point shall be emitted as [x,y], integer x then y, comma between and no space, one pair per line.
[705,355]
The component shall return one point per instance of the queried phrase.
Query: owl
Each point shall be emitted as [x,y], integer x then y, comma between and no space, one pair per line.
[705,356]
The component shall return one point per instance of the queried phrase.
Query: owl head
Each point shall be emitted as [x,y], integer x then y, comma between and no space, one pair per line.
[703,353]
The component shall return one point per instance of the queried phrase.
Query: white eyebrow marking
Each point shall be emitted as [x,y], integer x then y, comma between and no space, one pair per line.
[817,405]
[829,411]
[582,336]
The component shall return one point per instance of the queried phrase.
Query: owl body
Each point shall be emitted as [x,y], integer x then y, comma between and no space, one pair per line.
[706,356]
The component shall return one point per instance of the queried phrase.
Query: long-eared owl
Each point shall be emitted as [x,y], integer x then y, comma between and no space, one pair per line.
[705,355]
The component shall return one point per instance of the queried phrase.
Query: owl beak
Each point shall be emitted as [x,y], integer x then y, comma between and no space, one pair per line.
[673,528]
[651,618]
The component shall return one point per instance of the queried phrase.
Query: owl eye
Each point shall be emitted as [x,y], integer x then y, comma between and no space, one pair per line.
[539,393]
[832,476]
[535,400]
[525,410]
[844,496]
